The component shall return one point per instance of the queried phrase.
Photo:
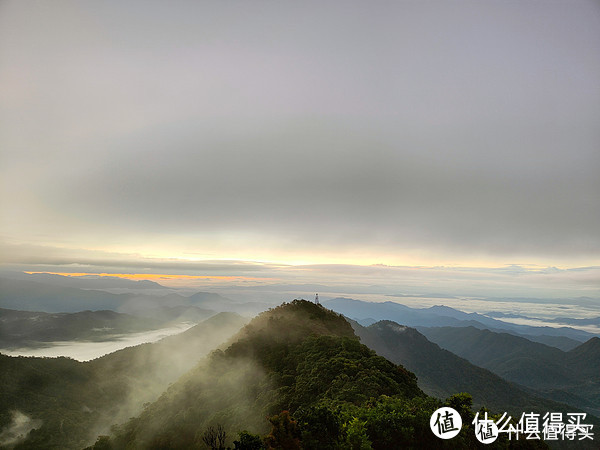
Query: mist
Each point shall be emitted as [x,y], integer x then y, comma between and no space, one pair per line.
[18,429]
[151,368]
[227,392]
[77,401]
[87,351]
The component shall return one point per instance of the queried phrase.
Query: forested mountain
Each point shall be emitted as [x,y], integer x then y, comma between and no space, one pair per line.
[296,376]
[572,377]
[303,367]
[442,373]
[560,342]
[586,358]
[75,401]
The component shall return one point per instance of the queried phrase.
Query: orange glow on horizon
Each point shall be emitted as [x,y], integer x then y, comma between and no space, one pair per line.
[156,276]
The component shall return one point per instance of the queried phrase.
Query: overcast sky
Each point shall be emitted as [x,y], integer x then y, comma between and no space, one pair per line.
[400,132]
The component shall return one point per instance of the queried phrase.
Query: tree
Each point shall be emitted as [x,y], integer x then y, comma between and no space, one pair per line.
[463,403]
[284,435]
[320,428]
[215,437]
[248,441]
[356,435]
[102,443]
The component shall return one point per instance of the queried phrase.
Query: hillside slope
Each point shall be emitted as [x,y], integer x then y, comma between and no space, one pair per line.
[442,373]
[76,401]
[288,358]
[572,377]
[303,366]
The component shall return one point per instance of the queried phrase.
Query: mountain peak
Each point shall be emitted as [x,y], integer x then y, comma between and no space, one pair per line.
[590,347]
[296,320]
[393,326]
[295,357]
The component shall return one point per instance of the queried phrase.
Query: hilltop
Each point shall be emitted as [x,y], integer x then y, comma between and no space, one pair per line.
[292,358]
[302,366]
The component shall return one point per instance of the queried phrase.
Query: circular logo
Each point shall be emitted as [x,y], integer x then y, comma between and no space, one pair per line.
[486,431]
[445,423]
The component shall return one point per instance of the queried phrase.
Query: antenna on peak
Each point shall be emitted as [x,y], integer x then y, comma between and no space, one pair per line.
[317,299]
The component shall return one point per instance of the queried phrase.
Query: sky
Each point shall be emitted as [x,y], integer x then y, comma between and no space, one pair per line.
[320,140]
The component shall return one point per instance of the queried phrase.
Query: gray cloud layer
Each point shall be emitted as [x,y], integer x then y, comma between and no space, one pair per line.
[467,127]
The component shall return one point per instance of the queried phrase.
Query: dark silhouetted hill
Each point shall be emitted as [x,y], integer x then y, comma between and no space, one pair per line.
[442,373]
[572,377]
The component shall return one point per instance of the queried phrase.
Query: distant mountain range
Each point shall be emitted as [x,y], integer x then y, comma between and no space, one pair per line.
[595,321]
[367,313]
[57,297]
[566,370]
[26,295]
[27,328]
[84,282]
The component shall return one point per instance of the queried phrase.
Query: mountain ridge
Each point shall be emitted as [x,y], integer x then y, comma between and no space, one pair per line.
[428,317]
[308,363]
[548,371]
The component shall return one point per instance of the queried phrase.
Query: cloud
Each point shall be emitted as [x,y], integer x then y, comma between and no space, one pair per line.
[74,259]
[450,131]
[500,281]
